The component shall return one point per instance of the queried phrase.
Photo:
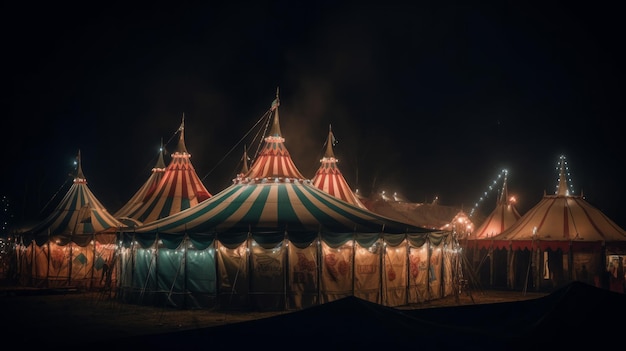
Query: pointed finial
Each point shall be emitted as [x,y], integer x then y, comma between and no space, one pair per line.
[276,102]
[562,188]
[181,140]
[79,167]
[160,162]
[244,160]
[330,142]
[275,131]
[182,123]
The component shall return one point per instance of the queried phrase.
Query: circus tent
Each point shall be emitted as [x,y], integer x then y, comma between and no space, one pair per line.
[330,179]
[272,241]
[144,193]
[504,215]
[74,245]
[562,238]
[477,250]
[180,187]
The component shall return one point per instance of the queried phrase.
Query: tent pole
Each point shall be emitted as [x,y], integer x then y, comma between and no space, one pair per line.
[285,270]
[249,268]
[69,275]
[381,264]
[319,265]
[353,263]
[570,261]
[407,262]
[47,280]
[93,260]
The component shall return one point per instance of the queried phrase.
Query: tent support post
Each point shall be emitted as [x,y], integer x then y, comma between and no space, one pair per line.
[353,263]
[285,270]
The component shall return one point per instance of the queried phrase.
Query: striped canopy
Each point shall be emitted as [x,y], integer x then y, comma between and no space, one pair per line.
[145,191]
[329,178]
[271,206]
[180,188]
[78,214]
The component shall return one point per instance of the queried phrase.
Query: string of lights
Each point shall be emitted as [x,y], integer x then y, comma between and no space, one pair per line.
[501,175]
[568,176]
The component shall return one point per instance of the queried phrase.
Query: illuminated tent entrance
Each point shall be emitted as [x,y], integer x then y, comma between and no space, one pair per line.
[284,270]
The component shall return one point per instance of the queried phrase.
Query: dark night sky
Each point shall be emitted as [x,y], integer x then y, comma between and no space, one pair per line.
[428,99]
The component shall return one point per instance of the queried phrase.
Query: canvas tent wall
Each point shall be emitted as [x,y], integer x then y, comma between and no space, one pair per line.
[74,245]
[273,241]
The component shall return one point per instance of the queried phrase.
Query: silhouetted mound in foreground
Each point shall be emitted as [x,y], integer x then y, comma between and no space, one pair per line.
[573,314]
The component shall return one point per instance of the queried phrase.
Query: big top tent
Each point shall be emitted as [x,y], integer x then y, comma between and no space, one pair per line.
[74,245]
[562,238]
[272,240]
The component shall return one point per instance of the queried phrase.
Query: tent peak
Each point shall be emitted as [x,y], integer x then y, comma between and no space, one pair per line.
[181,148]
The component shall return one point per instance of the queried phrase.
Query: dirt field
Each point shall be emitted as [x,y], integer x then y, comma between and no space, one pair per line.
[92,316]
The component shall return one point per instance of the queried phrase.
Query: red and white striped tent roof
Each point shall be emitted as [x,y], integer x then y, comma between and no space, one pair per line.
[561,220]
[503,216]
[329,178]
[273,198]
[180,187]
[78,214]
[145,191]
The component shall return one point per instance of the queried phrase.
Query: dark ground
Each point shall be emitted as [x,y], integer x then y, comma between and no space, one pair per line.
[571,316]
[94,316]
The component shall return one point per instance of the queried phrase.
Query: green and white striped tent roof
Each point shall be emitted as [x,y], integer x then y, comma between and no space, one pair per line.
[273,197]
[79,213]
[274,205]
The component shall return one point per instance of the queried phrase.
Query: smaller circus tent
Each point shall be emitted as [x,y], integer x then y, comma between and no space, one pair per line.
[329,178]
[180,187]
[74,245]
[562,238]
[504,215]
[273,241]
[477,245]
[144,193]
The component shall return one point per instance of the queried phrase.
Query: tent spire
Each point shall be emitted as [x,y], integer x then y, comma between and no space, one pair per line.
[160,162]
[505,192]
[330,142]
[562,188]
[244,160]
[181,140]
[274,160]
[275,131]
[79,168]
